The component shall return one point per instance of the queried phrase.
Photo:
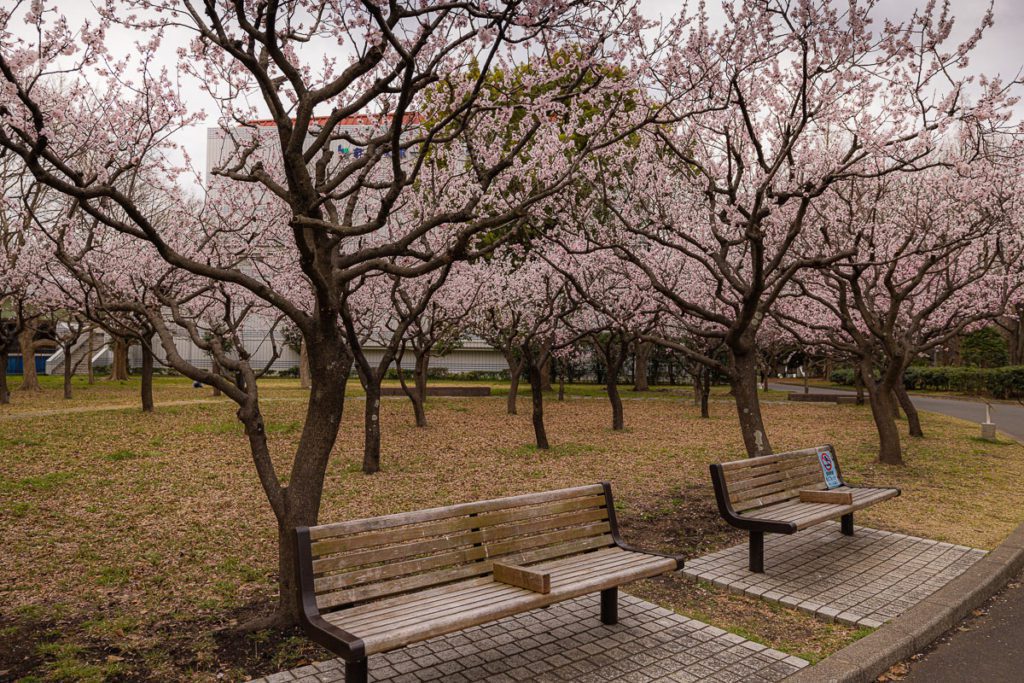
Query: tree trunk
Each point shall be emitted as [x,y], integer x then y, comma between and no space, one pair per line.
[913,419]
[705,393]
[545,375]
[371,426]
[698,378]
[858,384]
[807,380]
[69,370]
[90,353]
[303,366]
[612,386]
[880,395]
[641,359]
[147,375]
[515,370]
[418,395]
[5,391]
[743,381]
[119,365]
[422,375]
[299,502]
[27,345]
[537,393]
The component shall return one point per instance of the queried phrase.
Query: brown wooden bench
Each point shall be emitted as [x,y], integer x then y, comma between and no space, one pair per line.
[372,585]
[785,493]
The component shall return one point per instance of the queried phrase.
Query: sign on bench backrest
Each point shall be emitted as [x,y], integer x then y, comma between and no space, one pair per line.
[829,469]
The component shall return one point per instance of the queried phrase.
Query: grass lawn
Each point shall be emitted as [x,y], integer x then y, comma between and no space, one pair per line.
[134,542]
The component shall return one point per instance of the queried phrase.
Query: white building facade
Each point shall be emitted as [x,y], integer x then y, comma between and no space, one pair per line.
[472,355]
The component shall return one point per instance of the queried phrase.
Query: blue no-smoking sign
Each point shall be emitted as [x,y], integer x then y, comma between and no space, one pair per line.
[828,468]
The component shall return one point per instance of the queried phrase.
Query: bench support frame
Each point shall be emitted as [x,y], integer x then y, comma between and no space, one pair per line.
[357,672]
[757,552]
[610,606]
[847,524]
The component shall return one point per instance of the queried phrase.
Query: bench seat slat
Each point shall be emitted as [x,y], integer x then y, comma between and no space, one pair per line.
[386,616]
[374,626]
[805,515]
[777,510]
[399,605]
[504,603]
[440,593]
[793,508]
[454,597]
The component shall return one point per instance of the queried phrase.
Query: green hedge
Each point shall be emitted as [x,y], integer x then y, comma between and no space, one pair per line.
[842,376]
[1006,382]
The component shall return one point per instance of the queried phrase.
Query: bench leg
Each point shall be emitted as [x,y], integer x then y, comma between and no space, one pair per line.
[757,551]
[357,672]
[610,606]
[847,524]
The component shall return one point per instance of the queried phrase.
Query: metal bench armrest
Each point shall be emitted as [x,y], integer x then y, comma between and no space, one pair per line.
[734,518]
[338,641]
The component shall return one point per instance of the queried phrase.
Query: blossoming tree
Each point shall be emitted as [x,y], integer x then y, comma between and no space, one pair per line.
[349,139]
[926,257]
[710,204]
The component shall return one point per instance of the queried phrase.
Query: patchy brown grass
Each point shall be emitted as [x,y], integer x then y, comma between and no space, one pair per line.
[130,538]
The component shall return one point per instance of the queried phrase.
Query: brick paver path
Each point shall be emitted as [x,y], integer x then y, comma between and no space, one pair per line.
[568,642]
[861,580]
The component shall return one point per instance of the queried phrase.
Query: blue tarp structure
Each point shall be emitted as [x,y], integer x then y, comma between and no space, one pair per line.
[15,366]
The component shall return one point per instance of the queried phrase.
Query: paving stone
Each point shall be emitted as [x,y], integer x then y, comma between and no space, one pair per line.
[566,642]
[865,579]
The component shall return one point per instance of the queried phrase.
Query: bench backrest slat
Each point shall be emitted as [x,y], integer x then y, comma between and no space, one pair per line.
[757,482]
[373,558]
[402,518]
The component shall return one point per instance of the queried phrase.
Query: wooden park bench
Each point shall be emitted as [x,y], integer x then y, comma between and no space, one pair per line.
[372,585]
[787,492]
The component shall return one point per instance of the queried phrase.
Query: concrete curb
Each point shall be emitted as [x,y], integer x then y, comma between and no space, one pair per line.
[919,626]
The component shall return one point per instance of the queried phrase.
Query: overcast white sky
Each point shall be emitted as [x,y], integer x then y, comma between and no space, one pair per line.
[1001,51]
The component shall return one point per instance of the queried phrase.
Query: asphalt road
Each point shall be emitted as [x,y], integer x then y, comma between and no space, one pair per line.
[985,648]
[1009,417]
